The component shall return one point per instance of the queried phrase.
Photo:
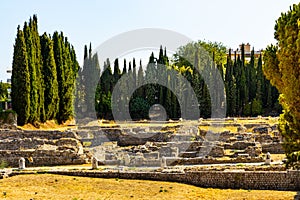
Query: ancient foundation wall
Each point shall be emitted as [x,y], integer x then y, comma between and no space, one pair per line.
[41,148]
[263,180]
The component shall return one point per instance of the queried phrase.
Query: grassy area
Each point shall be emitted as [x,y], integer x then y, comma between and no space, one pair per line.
[48,186]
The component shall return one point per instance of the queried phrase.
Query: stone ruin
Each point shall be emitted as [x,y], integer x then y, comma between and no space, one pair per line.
[148,146]
[139,146]
[41,148]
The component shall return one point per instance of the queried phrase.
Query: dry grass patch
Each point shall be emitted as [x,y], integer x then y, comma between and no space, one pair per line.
[48,186]
[219,129]
[48,125]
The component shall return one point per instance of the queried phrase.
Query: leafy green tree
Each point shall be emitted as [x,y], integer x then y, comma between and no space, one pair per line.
[282,69]
[3,91]
[20,80]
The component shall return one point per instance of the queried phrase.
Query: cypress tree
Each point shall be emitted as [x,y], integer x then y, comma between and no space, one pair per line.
[243,80]
[38,66]
[117,72]
[31,56]
[104,91]
[67,69]
[140,81]
[134,73]
[124,67]
[85,55]
[51,103]
[20,94]
[230,87]
[151,75]
[252,77]
[260,80]
[91,76]
[161,59]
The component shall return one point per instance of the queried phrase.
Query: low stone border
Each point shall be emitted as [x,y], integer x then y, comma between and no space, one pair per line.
[260,180]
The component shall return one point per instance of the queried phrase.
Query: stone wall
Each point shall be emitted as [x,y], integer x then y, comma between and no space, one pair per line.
[8,120]
[41,148]
[263,180]
[50,135]
[273,148]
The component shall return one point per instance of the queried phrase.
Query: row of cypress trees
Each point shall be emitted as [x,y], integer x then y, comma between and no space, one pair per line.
[248,92]
[44,70]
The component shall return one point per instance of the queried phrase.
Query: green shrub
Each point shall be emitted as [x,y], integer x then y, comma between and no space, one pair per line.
[3,164]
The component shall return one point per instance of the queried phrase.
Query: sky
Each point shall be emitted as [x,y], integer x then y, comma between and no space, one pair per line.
[231,22]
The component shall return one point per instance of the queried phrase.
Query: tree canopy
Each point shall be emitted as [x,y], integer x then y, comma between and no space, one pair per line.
[282,68]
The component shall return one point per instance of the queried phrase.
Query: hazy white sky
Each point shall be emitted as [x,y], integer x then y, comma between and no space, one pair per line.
[230,22]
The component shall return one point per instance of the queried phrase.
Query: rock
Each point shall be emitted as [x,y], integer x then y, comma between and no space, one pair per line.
[275,148]
[261,130]
[240,145]
[241,129]
[253,151]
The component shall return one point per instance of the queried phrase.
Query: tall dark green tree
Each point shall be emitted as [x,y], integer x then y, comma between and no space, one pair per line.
[20,94]
[124,71]
[34,84]
[151,90]
[38,66]
[134,73]
[51,101]
[140,81]
[260,81]
[230,87]
[103,92]
[67,69]
[90,79]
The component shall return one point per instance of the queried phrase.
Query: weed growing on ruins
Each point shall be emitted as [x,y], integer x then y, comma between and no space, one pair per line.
[3,164]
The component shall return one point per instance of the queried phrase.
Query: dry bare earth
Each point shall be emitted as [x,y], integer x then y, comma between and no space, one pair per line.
[48,186]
